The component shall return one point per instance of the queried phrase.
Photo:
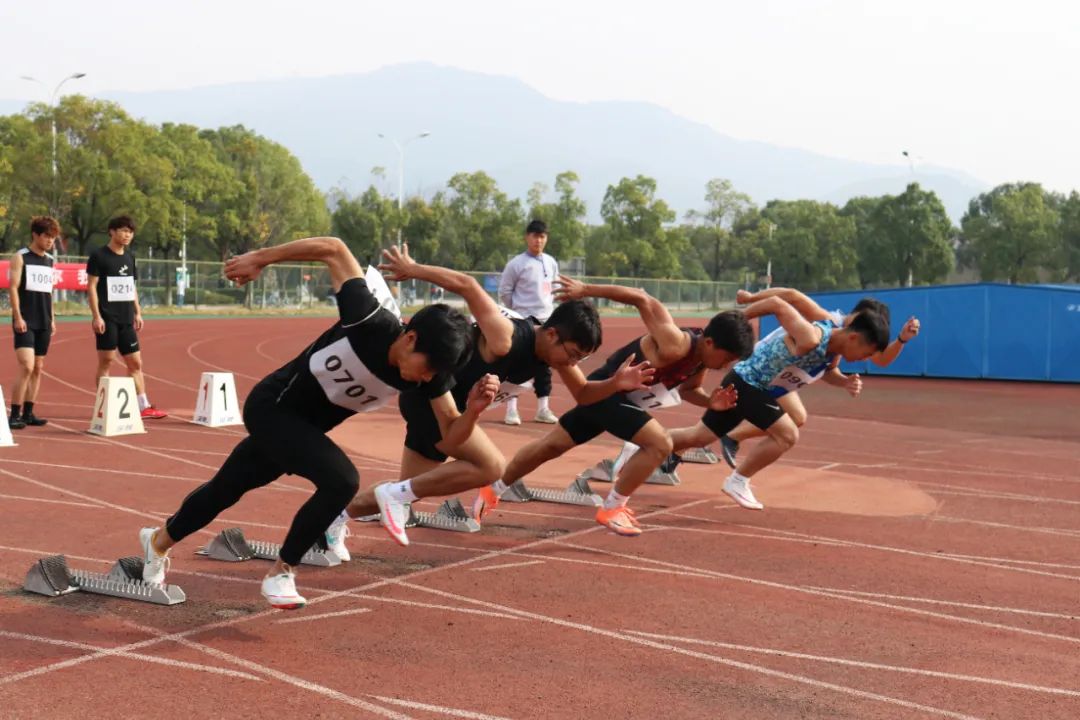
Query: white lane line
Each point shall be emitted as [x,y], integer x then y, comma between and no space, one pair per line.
[950,603]
[309,618]
[132,656]
[759,669]
[958,490]
[928,452]
[508,565]
[863,664]
[452,712]
[1064,532]
[836,596]
[46,500]
[434,606]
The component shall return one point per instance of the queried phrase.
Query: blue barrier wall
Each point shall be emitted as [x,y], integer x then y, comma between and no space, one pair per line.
[1001,332]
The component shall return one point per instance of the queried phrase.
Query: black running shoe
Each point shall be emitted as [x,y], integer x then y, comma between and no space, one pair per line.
[669,465]
[729,449]
[16,423]
[33,420]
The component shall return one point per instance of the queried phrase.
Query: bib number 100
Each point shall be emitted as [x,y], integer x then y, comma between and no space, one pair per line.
[333,364]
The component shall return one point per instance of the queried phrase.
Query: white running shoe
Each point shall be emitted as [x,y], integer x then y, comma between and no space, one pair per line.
[280,591]
[336,534]
[512,418]
[154,565]
[546,416]
[739,491]
[392,514]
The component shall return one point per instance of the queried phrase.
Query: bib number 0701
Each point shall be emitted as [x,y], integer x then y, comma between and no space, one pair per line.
[333,364]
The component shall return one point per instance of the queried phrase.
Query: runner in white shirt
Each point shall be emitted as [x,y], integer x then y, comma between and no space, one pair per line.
[526,288]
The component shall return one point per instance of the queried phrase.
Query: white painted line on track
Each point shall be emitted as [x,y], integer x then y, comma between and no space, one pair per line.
[950,603]
[451,712]
[508,565]
[309,618]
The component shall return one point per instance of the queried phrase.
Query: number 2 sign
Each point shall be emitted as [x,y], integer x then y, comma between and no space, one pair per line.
[116,411]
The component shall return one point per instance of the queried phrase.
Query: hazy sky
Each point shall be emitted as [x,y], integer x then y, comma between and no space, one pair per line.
[984,86]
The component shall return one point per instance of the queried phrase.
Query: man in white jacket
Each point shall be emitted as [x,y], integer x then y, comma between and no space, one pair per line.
[526,288]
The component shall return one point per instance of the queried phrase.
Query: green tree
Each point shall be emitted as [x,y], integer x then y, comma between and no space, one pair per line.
[635,218]
[482,226]
[914,238]
[867,238]
[1013,232]
[367,223]
[723,206]
[277,200]
[1070,235]
[24,178]
[812,245]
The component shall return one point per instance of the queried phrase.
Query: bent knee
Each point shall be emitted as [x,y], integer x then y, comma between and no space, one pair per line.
[344,483]
[493,468]
[787,437]
[659,448]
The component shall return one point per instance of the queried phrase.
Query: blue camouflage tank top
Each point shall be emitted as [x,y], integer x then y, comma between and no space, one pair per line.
[778,371]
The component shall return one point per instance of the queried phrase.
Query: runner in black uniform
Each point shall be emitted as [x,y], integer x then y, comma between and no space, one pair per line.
[681,358]
[508,348]
[114,304]
[358,365]
[32,317]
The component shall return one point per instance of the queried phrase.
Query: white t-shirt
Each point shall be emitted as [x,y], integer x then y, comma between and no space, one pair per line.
[526,285]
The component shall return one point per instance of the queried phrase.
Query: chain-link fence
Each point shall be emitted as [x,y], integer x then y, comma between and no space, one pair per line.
[164,283]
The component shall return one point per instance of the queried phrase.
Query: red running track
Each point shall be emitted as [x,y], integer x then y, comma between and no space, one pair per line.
[919,557]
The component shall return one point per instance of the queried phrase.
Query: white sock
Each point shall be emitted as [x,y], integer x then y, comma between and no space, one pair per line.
[403,492]
[144,402]
[628,450]
[511,406]
[541,404]
[499,487]
[614,500]
[736,476]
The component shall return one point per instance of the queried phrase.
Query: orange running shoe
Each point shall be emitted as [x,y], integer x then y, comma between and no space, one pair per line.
[620,520]
[485,502]
[152,413]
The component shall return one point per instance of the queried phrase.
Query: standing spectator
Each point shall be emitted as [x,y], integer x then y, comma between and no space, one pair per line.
[114,303]
[32,317]
[526,288]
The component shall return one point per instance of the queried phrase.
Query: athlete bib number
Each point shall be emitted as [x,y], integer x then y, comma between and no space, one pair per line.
[39,278]
[790,379]
[345,379]
[121,289]
[509,390]
[655,397]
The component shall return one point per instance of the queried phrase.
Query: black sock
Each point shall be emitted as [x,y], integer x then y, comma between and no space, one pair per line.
[27,409]
[15,412]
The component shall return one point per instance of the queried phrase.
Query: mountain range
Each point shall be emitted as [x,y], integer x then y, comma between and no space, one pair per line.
[518,136]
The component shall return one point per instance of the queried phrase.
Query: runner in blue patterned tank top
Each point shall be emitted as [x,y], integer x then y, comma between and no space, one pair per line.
[781,361]
[790,401]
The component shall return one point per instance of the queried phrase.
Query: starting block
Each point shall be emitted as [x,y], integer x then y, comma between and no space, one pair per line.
[216,404]
[5,432]
[577,493]
[231,546]
[116,409]
[604,471]
[51,576]
[451,516]
[702,455]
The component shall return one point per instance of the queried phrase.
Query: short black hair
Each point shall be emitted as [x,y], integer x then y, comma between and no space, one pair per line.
[873,327]
[578,322]
[444,335]
[731,331]
[122,221]
[869,303]
[536,227]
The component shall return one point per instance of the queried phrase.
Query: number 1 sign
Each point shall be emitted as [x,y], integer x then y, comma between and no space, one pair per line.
[216,405]
[116,408]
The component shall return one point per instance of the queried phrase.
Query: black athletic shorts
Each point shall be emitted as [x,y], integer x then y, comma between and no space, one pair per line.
[616,415]
[118,337]
[422,432]
[37,339]
[754,405]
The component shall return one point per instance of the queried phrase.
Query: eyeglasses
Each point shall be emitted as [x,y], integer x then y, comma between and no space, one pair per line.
[575,355]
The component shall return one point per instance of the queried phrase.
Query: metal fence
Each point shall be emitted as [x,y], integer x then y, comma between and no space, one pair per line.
[303,286]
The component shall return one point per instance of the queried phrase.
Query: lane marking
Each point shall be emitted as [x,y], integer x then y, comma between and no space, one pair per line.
[508,565]
[309,618]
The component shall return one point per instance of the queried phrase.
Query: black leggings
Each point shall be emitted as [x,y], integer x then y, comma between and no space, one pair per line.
[542,381]
[280,442]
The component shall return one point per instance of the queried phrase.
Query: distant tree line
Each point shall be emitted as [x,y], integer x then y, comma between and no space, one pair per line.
[230,190]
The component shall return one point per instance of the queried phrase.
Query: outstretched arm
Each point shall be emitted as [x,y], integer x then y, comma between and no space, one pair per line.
[626,379]
[330,251]
[802,333]
[889,354]
[456,427]
[798,300]
[496,328]
[671,341]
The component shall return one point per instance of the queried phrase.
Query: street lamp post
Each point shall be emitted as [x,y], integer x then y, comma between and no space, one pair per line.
[52,108]
[401,171]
